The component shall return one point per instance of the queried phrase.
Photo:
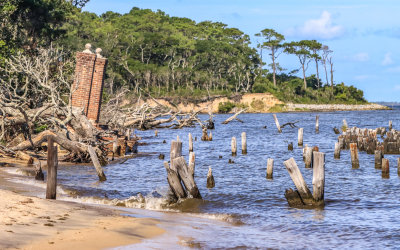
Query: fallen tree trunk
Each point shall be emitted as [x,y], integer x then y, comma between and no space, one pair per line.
[69,145]
[233,117]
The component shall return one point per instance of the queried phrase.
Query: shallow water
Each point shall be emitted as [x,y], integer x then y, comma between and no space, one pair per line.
[362,209]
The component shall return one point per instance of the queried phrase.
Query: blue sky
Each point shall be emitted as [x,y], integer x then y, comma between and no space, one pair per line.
[364,34]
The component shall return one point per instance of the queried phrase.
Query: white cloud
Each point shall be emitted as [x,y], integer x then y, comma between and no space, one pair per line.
[321,28]
[387,60]
[361,57]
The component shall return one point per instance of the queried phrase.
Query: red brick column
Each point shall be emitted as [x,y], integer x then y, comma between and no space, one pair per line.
[97,89]
[85,64]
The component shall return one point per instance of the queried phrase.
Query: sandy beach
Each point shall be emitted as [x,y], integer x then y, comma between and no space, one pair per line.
[34,223]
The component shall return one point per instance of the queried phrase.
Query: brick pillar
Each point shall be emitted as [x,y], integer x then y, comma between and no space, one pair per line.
[88,85]
[85,63]
[97,89]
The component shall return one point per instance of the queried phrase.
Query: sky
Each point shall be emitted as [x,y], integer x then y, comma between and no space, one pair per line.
[363,34]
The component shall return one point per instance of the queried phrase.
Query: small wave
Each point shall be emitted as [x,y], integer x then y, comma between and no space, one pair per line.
[35,183]
[230,218]
[139,201]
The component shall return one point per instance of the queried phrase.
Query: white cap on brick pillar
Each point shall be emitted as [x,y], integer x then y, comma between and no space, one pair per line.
[88,48]
[98,53]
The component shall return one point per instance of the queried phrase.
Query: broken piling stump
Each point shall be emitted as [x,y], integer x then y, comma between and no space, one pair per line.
[270,167]
[52,164]
[290,146]
[192,163]
[302,197]
[244,143]
[336,130]
[385,168]
[337,151]
[190,143]
[390,125]
[234,146]
[354,155]
[210,179]
[378,159]
[300,137]
[398,166]
[308,157]
[318,178]
[174,182]
[317,124]
[186,177]
[304,193]
[180,173]
[277,124]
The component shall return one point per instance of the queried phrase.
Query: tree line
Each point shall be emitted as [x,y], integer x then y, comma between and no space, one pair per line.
[153,52]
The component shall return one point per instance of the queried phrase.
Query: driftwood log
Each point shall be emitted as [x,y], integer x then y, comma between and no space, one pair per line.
[234,117]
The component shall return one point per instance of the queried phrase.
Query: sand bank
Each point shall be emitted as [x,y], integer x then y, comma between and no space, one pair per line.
[33,223]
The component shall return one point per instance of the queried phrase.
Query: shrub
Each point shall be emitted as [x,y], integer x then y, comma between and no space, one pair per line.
[225,107]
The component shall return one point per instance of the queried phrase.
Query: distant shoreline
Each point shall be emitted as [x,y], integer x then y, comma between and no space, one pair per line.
[333,107]
[257,103]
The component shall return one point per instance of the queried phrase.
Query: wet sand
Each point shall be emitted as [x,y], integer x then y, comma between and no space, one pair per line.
[34,223]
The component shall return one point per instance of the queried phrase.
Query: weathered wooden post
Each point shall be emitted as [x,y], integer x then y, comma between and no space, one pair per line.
[270,167]
[337,151]
[39,176]
[210,179]
[385,168]
[341,143]
[210,136]
[290,146]
[318,178]
[128,134]
[176,150]
[234,146]
[300,137]
[52,164]
[301,185]
[336,130]
[390,125]
[398,166]
[192,163]
[354,155]
[174,182]
[190,143]
[308,157]
[277,124]
[378,159]
[177,138]
[115,148]
[156,133]
[317,124]
[96,163]
[244,143]
[187,178]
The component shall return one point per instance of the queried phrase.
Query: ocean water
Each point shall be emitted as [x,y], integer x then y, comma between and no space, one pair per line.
[245,210]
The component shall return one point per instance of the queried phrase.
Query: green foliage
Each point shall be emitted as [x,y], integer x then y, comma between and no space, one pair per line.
[292,90]
[277,108]
[225,107]
[41,128]
[260,87]
[155,52]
